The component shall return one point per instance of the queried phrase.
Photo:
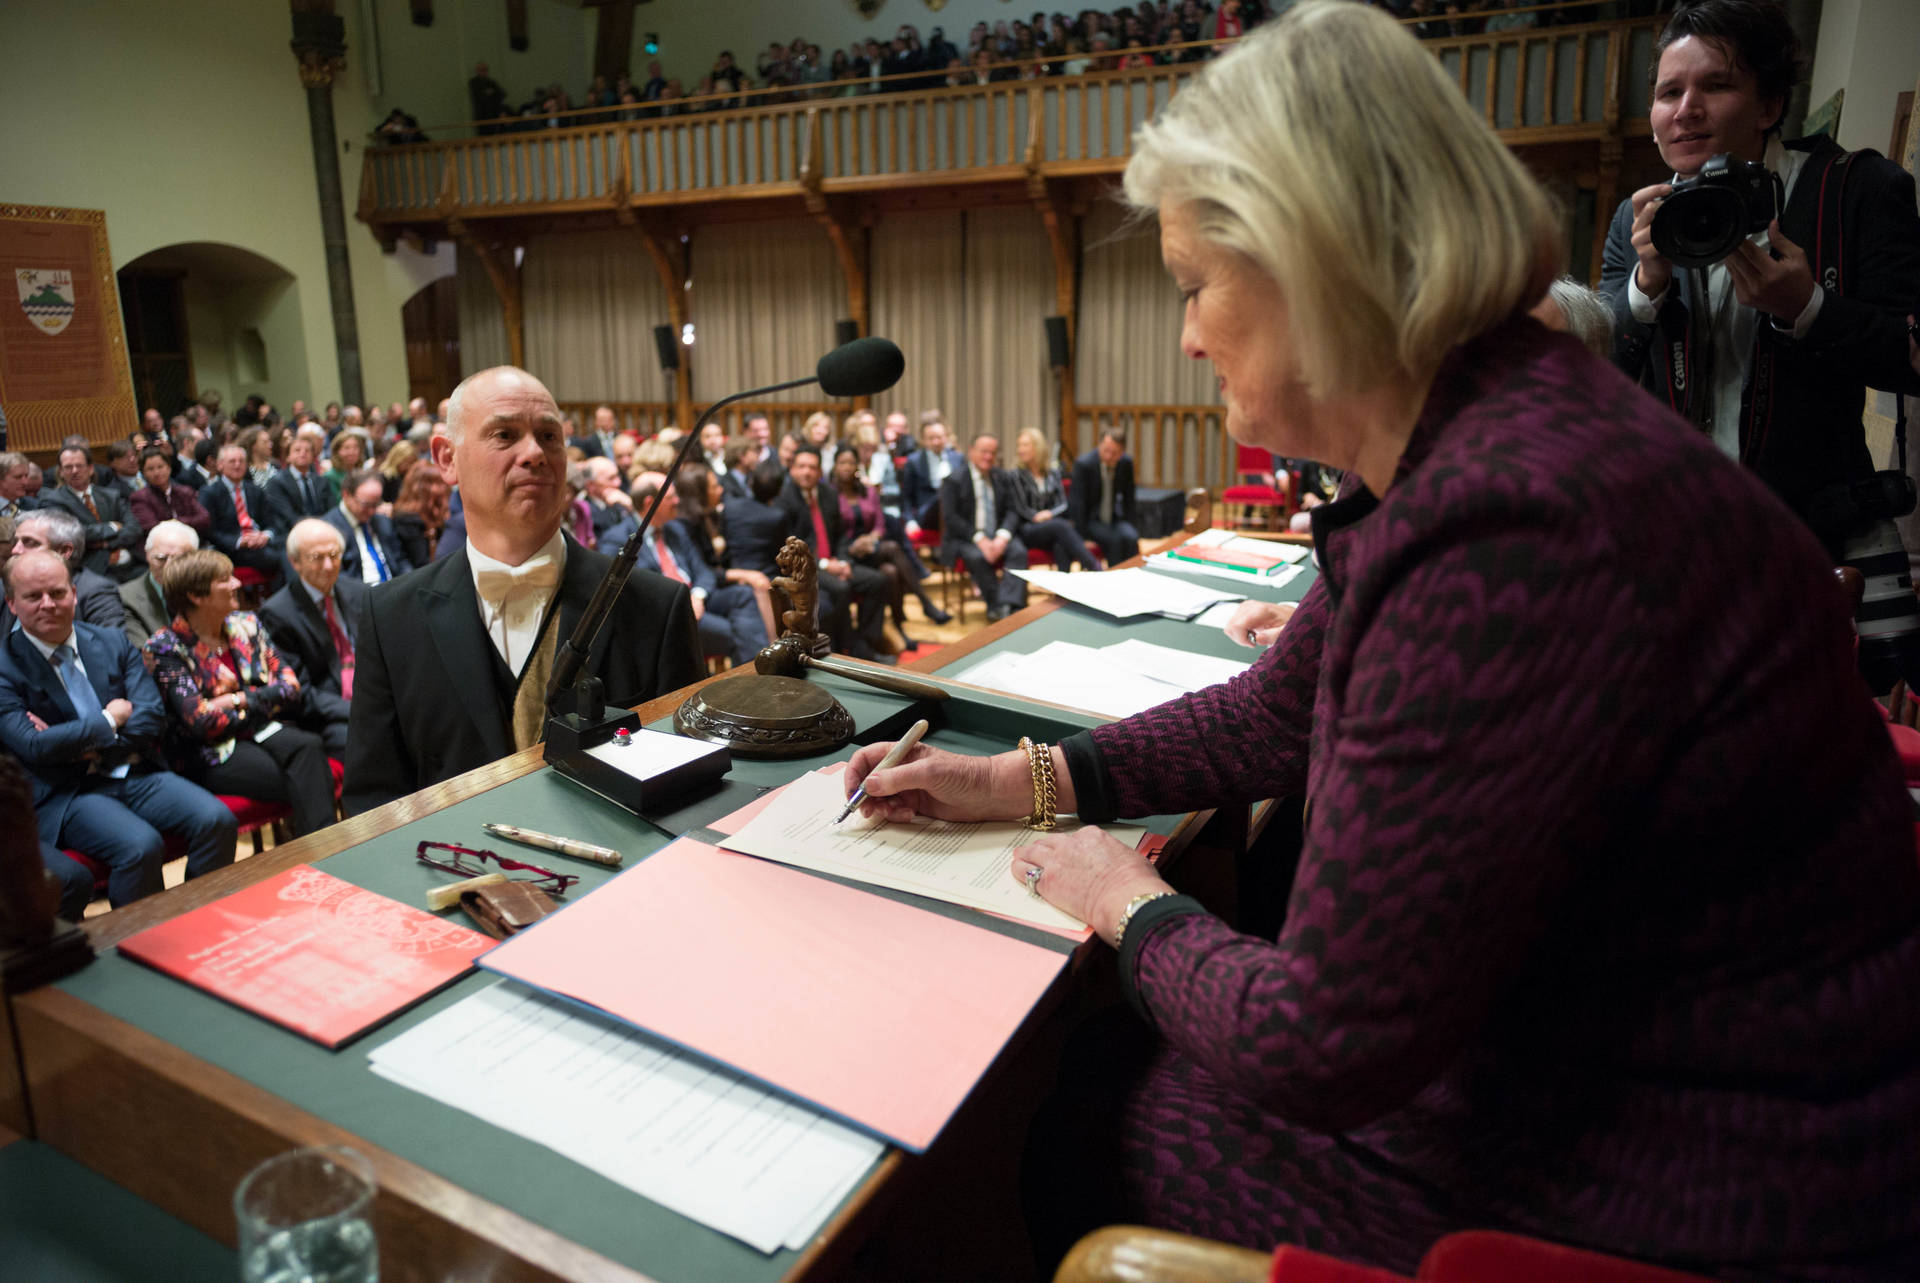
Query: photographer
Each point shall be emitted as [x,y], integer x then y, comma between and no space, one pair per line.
[1769,349]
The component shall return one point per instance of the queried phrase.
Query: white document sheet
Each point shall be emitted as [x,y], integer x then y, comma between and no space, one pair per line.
[1125,594]
[1188,671]
[958,863]
[1216,617]
[1218,538]
[708,1143]
[1097,680]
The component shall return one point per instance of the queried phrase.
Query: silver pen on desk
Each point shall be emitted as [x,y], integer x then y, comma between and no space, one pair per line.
[903,747]
[579,850]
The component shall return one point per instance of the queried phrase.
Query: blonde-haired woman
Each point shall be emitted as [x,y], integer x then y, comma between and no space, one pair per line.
[1040,503]
[817,432]
[1606,923]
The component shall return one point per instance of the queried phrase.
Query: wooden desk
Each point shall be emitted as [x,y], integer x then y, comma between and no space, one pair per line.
[180,1130]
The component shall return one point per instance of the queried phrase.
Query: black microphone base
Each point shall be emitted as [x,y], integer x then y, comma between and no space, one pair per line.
[571,733]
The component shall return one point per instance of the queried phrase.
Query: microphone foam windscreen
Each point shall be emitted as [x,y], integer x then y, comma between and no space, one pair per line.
[861,368]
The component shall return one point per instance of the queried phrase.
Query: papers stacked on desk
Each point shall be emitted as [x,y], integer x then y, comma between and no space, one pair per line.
[701,1140]
[1127,594]
[1117,681]
[1222,541]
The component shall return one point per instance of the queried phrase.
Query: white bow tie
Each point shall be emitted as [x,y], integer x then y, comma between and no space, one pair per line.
[495,585]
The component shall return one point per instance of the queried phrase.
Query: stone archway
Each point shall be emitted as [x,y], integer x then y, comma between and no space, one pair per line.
[206,316]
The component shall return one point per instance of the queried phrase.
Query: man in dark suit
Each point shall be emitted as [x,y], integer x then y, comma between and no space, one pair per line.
[977,529]
[311,622]
[742,456]
[612,511]
[15,469]
[847,592]
[108,529]
[121,473]
[56,530]
[81,712]
[145,602]
[1102,498]
[926,469]
[598,444]
[245,523]
[186,470]
[727,616]
[452,662]
[755,524]
[373,553]
[298,491]
[164,499]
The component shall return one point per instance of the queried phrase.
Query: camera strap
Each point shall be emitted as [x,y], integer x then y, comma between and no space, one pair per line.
[1828,265]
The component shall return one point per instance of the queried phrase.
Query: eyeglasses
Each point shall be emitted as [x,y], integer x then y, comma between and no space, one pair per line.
[469,863]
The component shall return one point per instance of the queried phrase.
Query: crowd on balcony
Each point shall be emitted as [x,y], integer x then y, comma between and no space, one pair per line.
[1152,33]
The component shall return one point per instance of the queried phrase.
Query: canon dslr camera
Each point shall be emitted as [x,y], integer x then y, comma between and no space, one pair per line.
[1710,213]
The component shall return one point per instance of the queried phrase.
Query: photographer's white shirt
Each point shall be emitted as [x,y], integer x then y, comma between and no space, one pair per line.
[1732,325]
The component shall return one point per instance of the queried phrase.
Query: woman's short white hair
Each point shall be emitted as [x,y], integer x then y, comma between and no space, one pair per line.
[1331,150]
[1588,316]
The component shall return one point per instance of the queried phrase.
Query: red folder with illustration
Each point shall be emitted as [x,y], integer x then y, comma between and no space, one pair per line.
[881,1013]
[304,949]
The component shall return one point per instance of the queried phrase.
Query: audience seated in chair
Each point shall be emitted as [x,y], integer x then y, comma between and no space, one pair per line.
[84,716]
[373,553]
[853,608]
[144,599]
[726,616]
[1102,500]
[421,513]
[14,471]
[1040,504]
[246,525]
[163,498]
[976,528]
[109,531]
[311,623]
[869,544]
[97,598]
[925,470]
[298,490]
[227,691]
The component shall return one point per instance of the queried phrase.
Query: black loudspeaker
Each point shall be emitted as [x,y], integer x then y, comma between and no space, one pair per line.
[669,345]
[845,331]
[1058,355]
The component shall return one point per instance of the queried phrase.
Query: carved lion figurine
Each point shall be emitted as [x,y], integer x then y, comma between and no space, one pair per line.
[799,583]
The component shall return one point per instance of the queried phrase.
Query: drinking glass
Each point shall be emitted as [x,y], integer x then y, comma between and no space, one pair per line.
[304,1218]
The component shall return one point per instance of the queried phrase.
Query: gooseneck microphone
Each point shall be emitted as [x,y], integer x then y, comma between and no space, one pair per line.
[859,368]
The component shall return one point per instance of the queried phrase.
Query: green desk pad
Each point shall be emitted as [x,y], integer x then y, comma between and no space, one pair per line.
[61,1222]
[525,1177]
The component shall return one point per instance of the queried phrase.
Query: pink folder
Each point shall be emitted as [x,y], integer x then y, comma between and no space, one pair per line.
[883,1014]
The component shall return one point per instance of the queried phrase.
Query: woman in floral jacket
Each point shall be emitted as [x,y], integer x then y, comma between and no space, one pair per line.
[225,688]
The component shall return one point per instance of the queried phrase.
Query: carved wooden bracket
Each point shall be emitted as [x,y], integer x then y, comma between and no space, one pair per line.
[505,275]
[670,265]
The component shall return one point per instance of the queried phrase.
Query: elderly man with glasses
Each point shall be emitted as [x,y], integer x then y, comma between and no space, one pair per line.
[312,622]
[146,603]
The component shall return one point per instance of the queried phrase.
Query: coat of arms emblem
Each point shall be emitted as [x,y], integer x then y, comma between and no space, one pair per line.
[46,296]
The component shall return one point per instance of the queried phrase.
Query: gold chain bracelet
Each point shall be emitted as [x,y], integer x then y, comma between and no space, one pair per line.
[1040,762]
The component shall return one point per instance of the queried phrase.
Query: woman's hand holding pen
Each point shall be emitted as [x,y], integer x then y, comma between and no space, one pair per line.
[943,785]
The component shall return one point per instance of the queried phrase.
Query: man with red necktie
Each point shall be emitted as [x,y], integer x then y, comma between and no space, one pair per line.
[311,622]
[242,518]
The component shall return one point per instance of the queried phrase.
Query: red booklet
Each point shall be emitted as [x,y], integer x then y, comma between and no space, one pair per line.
[323,957]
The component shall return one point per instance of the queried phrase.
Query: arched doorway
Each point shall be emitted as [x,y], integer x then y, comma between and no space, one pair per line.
[431,322]
[207,317]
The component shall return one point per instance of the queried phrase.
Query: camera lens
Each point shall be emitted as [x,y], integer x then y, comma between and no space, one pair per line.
[1699,226]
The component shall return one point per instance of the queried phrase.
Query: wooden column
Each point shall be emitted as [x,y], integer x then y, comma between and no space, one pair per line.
[852,245]
[320,45]
[613,38]
[1606,190]
[505,274]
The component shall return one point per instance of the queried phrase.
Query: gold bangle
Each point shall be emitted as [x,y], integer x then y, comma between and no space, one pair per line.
[1040,763]
[1134,906]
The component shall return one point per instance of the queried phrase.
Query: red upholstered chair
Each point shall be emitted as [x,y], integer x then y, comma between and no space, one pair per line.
[251,583]
[1257,500]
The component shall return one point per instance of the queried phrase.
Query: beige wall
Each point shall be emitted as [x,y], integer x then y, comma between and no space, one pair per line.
[194,129]
[424,70]
[1872,47]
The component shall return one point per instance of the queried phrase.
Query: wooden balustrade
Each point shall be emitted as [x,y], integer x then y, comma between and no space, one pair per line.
[1550,84]
[1177,447]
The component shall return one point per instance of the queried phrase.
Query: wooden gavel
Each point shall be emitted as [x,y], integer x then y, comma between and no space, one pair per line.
[788,658]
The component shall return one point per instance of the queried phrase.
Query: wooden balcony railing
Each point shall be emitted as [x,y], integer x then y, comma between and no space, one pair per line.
[1540,85]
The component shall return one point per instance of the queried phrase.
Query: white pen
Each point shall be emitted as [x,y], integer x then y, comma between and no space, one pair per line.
[894,754]
[565,846]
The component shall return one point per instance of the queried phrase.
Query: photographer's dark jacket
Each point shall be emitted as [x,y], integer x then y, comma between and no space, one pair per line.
[1800,412]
